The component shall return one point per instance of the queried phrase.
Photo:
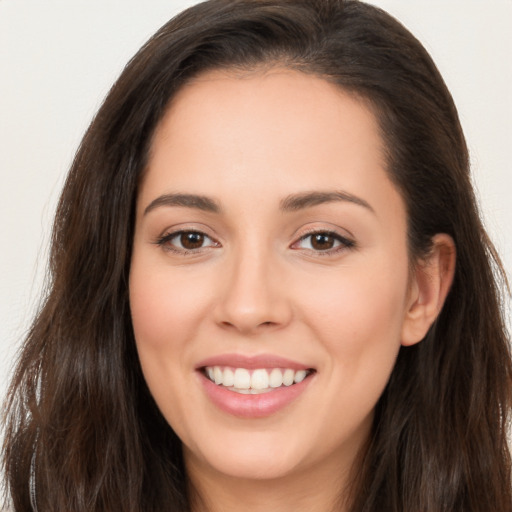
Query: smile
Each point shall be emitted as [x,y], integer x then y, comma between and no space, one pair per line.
[253,387]
[254,381]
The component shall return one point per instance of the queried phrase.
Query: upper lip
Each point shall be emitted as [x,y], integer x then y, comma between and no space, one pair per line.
[252,362]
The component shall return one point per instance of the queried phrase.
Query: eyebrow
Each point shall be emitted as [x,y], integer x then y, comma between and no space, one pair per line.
[290,203]
[303,200]
[187,200]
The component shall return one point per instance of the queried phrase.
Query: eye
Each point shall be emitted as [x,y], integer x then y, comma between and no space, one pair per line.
[323,241]
[186,241]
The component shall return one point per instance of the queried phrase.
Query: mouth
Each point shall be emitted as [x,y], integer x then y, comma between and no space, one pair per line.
[253,387]
[256,381]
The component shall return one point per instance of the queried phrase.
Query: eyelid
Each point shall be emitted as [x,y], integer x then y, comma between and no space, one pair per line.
[170,234]
[345,243]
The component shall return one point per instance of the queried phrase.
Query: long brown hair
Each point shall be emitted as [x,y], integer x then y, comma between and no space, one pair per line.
[82,431]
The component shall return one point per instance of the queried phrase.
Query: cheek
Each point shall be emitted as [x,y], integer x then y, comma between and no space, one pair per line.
[357,302]
[166,314]
[358,319]
[167,311]
[358,324]
[166,308]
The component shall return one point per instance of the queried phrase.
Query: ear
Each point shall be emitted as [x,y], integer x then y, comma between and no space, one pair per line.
[430,284]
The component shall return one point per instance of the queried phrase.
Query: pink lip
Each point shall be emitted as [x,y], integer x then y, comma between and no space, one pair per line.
[252,362]
[252,406]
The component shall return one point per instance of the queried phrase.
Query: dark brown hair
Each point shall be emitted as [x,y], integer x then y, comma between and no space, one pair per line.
[82,432]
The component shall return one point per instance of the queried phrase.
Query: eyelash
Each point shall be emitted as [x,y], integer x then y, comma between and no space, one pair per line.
[344,243]
[165,242]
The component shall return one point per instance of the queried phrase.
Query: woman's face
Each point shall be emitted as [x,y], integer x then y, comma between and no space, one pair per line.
[270,245]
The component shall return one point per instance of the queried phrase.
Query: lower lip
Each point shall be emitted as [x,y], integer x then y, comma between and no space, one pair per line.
[253,406]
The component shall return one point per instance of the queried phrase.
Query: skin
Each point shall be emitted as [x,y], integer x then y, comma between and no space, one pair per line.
[257,285]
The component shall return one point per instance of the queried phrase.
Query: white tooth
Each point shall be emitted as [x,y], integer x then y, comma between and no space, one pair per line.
[260,391]
[242,379]
[242,391]
[209,371]
[300,376]
[217,374]
[276,378]
[259,379]
[288,377]
[228,378]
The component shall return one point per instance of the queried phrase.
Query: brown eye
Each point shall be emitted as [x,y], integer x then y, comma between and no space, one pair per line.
[186,241]
[191,240]
[322,241]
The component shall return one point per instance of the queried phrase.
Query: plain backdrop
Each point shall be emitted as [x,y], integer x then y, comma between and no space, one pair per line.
[58,59]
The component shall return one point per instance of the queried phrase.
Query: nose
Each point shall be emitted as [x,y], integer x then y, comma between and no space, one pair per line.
[253,296]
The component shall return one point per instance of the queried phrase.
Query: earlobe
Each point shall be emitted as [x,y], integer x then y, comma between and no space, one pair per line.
[432,279]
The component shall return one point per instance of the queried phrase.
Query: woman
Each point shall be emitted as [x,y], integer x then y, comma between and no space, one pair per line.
[271,286]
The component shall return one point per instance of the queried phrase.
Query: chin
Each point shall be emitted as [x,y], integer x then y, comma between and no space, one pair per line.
[258,456]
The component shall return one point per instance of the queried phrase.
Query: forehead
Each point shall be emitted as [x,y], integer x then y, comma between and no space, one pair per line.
[272,132]
[282,94]
[270,109]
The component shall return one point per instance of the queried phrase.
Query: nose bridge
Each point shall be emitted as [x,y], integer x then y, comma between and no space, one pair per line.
[252,297]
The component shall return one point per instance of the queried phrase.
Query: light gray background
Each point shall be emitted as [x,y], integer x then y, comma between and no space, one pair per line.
[59,58]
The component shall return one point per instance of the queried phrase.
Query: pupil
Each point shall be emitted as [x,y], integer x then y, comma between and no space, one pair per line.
[192,240]
[322,242]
